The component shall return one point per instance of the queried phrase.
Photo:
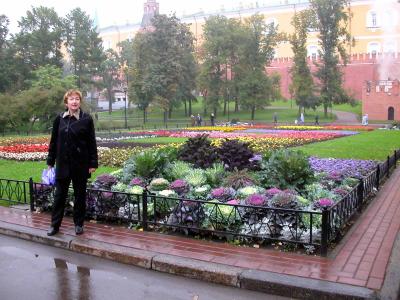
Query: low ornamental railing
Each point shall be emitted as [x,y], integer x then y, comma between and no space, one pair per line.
[313,228]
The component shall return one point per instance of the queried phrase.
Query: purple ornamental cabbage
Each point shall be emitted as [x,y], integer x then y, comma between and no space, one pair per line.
[256,200]
[137,181]
[272,192]
[180,186]
[222,194]
[324,203]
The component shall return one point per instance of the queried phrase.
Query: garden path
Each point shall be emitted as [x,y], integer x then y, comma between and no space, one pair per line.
[360,259]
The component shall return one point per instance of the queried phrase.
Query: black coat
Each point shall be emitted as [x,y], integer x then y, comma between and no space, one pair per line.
[73,146]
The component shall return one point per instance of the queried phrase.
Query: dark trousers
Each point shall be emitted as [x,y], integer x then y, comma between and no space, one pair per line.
[60,197]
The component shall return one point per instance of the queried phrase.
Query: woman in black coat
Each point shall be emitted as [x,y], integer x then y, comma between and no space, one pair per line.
[74,151]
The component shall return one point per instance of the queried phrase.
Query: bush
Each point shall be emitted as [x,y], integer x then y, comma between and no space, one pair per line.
[150,163]
[196,177]
[215,174]
[288,169]
[177,170]
[199,152]
[240,179]
[236,155]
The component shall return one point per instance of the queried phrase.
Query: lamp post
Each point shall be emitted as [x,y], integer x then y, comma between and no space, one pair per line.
[126,121]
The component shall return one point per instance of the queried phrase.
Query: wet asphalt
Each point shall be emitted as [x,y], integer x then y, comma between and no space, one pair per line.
[30,271]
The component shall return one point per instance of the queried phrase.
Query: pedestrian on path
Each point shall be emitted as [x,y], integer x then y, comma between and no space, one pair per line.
[74,151]
[193,120]
[199,120]
[316,120]
[212,119]
[275,118]
[301,118]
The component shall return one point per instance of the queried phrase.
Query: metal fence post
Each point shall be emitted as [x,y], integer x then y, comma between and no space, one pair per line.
[324,233]
[360,194]
[388,166]
[144,210]
[31,197]
[395,158]
[378,176]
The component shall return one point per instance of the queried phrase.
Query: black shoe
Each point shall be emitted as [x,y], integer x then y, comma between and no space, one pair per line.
[78,229]
[52,231]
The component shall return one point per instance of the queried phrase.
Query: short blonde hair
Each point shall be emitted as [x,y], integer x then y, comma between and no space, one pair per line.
[70,93]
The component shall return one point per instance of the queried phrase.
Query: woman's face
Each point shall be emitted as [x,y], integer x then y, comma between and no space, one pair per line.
[73,102]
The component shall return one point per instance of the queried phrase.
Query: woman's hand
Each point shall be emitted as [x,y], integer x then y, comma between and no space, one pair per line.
[92,170]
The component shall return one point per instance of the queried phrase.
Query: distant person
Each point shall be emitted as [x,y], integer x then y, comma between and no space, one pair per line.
[302,118]
[275,118]
[193,120]
[316,120]
[199,120]
[212,119]
[366,119]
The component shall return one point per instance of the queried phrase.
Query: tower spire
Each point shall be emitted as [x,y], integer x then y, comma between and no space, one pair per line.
[151,8]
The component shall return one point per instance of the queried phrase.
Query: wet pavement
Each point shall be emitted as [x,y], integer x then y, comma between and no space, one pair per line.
[34,271]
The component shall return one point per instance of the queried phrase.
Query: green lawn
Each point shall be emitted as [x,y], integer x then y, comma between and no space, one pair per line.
[22,170]
[157,140]
[376,145]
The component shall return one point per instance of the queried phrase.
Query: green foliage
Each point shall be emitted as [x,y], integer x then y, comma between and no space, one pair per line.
[150,163]
[288,169]
[110,72]
[316,191]
[331,19]
[215,174]
[84,46]
[236,155]
[196,177]
[158,184]
[199,152]
[221,217]
[177,170]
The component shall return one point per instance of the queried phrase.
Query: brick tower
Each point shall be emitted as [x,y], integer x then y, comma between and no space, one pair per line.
[151,8]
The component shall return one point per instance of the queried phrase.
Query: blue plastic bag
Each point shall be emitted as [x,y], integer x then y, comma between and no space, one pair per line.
[49,176]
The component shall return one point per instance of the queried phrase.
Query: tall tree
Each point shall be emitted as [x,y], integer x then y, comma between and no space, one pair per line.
[331,19]
[84,47]
[110,73]
[167,57]
[40,38]
[302,86]
[6,57]
[256,89]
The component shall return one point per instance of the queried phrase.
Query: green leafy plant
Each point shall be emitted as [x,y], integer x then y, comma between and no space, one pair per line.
[150,163]
[215,174]
[196,177]
[199,152]
[288,169]
[177,170]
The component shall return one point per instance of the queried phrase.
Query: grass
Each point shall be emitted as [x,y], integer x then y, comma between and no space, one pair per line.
[157,140]
[376,145]
[286,113]
[23,170]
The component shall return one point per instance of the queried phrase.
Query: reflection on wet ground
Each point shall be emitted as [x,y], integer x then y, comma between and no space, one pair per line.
[34,271]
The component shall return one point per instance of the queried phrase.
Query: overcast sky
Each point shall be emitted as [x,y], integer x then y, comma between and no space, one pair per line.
[111,12]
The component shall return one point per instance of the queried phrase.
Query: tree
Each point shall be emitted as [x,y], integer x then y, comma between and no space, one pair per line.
[167,59]
[302,86]
[110,71]
[40,38]
[83,46]
[331,20]
[6,57]
[50,77]
[256,89]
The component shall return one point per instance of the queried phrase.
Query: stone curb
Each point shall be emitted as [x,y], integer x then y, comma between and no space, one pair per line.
[261,281]
[192,268]
[299,287]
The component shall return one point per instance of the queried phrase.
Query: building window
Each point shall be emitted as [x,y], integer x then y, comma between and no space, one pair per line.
[374,48]
[372,19]
[389,19]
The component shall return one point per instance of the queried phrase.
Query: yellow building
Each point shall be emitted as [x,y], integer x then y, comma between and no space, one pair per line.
[375,25]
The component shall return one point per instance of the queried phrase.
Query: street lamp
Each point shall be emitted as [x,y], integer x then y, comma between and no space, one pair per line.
[126,121]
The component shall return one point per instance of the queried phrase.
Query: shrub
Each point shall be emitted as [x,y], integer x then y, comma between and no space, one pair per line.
[149,163]
[236,155]
[288,169]
[129,170]
[199,152]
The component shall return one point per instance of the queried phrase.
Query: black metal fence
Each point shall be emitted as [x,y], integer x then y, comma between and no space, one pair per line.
[314,228]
